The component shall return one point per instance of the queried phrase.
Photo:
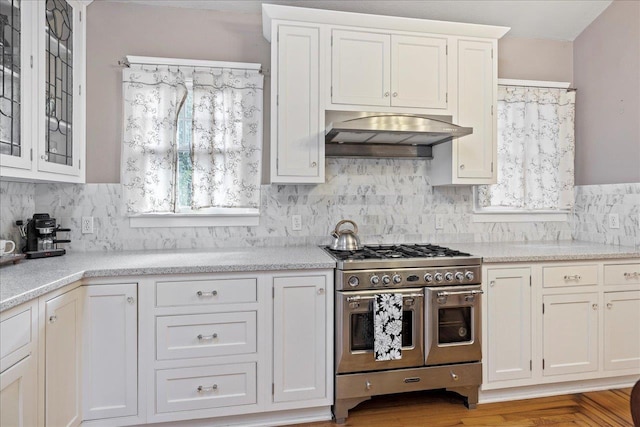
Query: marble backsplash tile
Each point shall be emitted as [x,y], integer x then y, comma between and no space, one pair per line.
[593,205]
[17,201]
[390,200]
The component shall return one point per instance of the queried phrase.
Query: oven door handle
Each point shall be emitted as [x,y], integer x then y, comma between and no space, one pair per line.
[472,292]
[372,297]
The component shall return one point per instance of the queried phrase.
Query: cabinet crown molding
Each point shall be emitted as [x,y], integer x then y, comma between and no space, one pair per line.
[378,22]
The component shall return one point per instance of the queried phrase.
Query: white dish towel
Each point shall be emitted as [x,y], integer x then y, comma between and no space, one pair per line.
[387,323]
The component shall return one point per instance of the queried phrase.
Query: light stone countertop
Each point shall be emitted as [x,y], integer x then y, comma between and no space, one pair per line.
[31,278]
[562,250]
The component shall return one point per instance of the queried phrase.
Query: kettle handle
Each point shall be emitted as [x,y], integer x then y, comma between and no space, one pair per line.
[344,221]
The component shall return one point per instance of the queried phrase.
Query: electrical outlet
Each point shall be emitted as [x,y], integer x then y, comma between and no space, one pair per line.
[296,222]
[439,222]
[614,220]
[87,225]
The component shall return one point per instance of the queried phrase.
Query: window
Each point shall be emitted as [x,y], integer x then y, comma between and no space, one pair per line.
[192,142]
[535,155]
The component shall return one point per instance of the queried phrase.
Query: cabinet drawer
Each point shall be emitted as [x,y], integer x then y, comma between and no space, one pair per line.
[574,275]
[206,292]
[204,387]
[15,334]
[205,335]
[622,274]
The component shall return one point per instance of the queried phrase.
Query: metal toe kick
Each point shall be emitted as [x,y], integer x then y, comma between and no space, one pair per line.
[351,389]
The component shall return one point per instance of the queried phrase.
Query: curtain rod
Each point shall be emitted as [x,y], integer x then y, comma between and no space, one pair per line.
[168,62]
[568,89]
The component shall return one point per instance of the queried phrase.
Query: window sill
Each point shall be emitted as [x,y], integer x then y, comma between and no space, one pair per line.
[519,216]
[251,219]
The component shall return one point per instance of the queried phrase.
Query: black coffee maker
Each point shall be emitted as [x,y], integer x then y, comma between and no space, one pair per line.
[39,235]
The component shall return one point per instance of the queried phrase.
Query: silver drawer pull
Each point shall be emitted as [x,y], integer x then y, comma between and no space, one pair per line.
[202,389]
[207,294]
[572,277]
[207,337]
[633,275]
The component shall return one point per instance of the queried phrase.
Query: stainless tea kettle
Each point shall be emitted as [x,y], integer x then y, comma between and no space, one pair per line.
[346,240]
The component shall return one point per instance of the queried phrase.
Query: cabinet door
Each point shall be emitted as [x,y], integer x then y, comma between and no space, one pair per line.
[298,156]
[299,335]
[18,394]
[622,330]
[476,94]
[360,68]
[509,322]
[60,109]
[570,333]
[62,359]
[418,72]
[110,370]
[16,86]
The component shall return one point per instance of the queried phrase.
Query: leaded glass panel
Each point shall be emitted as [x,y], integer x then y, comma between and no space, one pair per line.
[10,27]
[59,82]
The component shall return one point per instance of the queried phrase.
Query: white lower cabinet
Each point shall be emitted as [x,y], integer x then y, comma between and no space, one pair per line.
[577,322]
[299,338]
[62,373]
[110,338]
[622,330]
[508,318]
[18,394]
[570,333]
[18,366]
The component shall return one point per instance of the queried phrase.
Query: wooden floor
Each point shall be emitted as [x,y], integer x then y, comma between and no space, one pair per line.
[439,408]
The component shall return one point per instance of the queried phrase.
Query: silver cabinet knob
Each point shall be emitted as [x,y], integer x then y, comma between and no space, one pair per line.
[609,305]
[594,306]
[386,94]
[53,319]
[367,384]
[131,300]
[314,164]
[454,376]
[44,157]
[321,291]
[395,94]
[462,166]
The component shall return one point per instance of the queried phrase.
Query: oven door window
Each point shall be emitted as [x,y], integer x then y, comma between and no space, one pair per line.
[362,330]
[454,325]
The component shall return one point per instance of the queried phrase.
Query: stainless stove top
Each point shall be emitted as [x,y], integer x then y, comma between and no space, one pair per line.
[401,256]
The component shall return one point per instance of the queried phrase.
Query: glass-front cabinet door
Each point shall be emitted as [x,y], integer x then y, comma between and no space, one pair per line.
[59,109]
[42,119]
[17,82]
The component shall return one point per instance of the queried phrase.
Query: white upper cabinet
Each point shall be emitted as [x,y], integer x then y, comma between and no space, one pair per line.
[326,60]
[361,65]
[297,126]
[373,69]
[43,104]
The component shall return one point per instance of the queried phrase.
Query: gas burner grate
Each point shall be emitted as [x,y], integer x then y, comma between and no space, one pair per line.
[396,252]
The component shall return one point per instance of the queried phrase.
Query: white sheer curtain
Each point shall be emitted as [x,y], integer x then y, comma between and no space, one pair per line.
[152,100]
[227,138]
[535,150]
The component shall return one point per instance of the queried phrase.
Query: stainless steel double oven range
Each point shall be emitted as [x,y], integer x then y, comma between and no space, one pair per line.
[440,291]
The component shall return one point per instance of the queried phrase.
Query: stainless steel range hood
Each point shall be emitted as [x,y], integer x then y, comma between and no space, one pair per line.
[361,134]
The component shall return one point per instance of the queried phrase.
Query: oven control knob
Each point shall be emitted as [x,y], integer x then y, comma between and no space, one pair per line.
[397,279]
[386,280]
[469,275]
[438,277]
[459,276]
[353,281]
[428,278]
[448,276]
[375,280]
